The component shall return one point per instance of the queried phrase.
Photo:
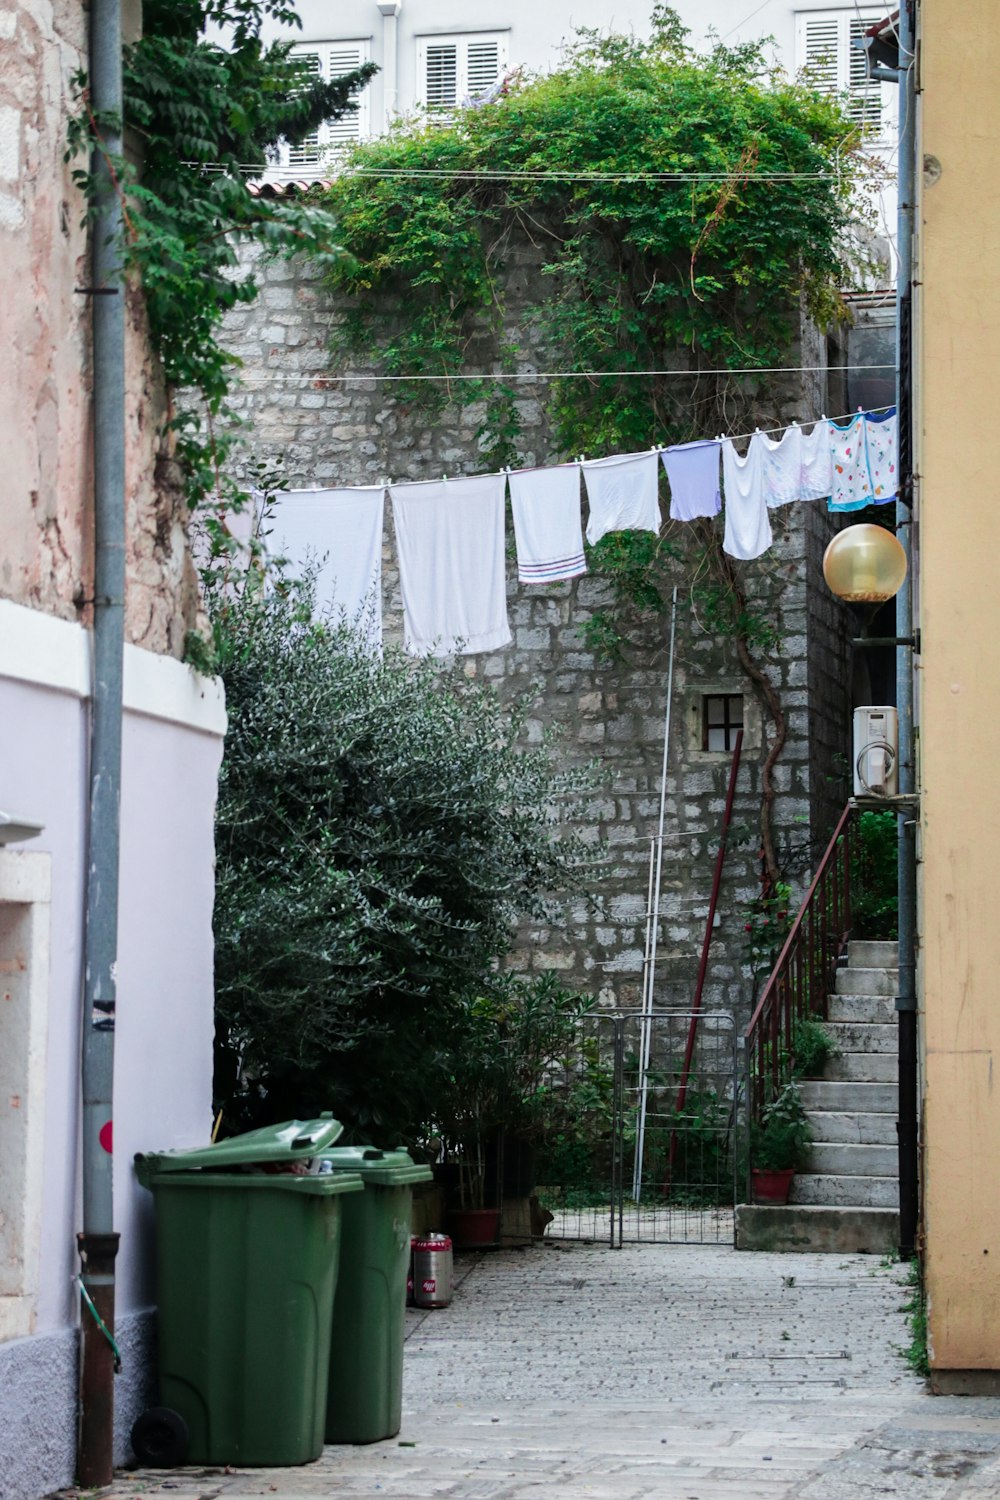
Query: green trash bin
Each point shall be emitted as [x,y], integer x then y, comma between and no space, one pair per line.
[365,1399]
[247,1260]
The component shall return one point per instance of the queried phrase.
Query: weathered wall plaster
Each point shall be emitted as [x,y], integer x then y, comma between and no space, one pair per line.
[46,519]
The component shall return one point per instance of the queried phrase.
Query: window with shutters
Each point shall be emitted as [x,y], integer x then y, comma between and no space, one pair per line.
[457,70]
[328,60]
[832,65]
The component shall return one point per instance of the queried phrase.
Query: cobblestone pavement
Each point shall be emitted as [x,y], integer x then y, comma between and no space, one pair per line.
[671,1372]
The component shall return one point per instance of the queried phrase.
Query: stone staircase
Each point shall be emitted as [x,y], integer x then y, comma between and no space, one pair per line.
[848,1198]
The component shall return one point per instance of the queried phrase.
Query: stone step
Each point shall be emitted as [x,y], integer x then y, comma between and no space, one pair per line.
[810,1227]
[852,981]
[847,1159]
[867,1008]
[852,1127]
[845,1098]
[866,953]
[864,1036]
[862,1067]
[831,1190]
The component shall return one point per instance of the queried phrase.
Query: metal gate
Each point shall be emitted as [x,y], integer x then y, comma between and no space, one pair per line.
[645,1139]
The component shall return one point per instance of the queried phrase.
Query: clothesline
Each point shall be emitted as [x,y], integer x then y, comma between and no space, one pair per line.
[734,437]
[485,174]
[450,535]
[268,377]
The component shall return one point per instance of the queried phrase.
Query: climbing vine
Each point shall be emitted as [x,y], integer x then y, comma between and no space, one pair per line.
[199,115]
[685,210]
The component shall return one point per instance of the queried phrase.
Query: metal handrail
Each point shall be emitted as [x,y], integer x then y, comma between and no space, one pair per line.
[803,976]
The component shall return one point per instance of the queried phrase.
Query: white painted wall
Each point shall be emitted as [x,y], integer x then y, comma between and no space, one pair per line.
[172,748]
[536,33]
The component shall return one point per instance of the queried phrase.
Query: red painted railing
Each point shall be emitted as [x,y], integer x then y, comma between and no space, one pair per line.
[803,977]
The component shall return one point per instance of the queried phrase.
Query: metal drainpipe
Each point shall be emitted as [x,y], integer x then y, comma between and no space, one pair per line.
[390,59]
[98,1242]
[906,1000]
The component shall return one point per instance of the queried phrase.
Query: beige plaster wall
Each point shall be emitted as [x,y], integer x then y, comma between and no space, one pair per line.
[46,478]
[958,330]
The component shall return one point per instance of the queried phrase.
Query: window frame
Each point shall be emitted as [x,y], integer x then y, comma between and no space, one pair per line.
[330,136]
[847,74]
[729,726]
[463,41]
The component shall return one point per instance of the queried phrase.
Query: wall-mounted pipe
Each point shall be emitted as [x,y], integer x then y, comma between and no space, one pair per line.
[390,60]
[98,1242]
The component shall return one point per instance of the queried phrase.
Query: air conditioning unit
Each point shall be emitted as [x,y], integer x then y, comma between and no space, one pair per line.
[876,752]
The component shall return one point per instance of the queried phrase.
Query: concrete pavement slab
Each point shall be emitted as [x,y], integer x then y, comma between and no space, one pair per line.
[656,1372]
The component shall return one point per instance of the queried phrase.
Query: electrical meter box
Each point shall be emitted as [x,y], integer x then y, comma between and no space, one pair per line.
[876,752]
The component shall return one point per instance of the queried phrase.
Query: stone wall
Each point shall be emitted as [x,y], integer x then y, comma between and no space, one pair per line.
[314,428]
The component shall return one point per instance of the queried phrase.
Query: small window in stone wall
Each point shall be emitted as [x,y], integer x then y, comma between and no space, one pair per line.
[722,717]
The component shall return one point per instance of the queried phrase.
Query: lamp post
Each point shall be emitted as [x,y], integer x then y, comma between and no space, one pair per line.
[864,565]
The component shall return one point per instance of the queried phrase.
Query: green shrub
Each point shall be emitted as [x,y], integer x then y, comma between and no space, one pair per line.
[812,1044]
[380,829]
[874,878]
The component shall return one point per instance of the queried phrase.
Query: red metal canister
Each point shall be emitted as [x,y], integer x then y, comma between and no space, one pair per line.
[433,1270]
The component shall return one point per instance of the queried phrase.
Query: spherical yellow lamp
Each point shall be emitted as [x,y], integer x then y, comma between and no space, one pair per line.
[864,565]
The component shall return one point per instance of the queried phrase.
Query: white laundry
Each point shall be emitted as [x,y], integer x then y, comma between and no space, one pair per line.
[622,494]
[748,526]
[450,540]
[338,535]
[882,434]
[693,476]
[547,527]
[782,467]
[816,473]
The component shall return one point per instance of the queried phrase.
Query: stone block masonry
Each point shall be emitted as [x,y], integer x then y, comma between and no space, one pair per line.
[316,429]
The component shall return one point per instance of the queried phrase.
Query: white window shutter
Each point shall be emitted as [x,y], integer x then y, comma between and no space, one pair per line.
[344,58]
[833,66]
[453,69]
[864,93]
[329,60]
[482,67]
[441,75]
[820,53]
[306,153]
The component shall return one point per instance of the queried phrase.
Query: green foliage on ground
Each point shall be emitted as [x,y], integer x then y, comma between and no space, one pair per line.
[915,1307]
[380,829]
[812,1045]
[197,114]
[875,877]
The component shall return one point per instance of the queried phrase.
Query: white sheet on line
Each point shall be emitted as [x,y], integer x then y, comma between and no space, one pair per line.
[338,532]
[623,494]
[548,530]
[450,541]
[748,526]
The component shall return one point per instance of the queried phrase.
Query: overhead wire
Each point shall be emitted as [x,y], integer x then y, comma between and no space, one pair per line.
[268,377]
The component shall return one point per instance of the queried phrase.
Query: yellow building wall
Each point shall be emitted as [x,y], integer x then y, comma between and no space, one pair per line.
[957,429]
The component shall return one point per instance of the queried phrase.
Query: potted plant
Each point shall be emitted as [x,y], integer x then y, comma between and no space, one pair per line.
[499,1097]
[779,1146]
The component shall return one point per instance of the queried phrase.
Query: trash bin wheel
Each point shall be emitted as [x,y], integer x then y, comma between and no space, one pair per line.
[160,1438]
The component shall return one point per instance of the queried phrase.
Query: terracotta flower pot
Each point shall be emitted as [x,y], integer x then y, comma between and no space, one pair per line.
[472,1228]
[771,1186]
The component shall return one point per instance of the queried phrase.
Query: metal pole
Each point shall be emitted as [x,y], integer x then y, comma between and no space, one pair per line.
[654,919]
[906,1000]
[98,1242]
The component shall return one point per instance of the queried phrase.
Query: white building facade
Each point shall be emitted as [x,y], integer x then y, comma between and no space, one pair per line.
[433,54]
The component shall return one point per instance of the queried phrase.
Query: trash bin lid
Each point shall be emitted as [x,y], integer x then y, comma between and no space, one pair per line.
[294,1140]
[381,1168]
